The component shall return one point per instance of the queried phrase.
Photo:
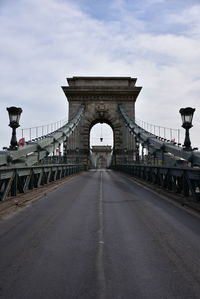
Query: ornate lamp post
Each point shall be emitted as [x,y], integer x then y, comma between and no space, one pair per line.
[187,116]
[14,116]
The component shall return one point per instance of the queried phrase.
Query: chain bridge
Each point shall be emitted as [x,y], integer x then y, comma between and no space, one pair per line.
[108,222]
[137,151]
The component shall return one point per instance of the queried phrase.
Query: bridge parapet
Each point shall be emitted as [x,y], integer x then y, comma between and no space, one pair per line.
[182,181]
[21,179]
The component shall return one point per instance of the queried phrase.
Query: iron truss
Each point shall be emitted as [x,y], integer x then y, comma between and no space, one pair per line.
[182,181]
[39,148]
[21,179]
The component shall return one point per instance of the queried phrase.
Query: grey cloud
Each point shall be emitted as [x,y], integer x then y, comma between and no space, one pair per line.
[49,40]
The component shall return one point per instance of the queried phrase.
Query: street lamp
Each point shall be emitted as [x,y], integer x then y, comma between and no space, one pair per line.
[14,116]
[187,116]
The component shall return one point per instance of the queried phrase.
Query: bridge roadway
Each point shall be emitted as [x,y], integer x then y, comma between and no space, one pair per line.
[100,235]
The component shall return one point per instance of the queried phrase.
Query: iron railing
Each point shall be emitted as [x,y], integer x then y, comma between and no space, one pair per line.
[20,179]
[38,131]
[182,181]
[167,133]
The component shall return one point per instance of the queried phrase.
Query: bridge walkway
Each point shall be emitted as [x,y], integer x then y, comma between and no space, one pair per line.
[100,235]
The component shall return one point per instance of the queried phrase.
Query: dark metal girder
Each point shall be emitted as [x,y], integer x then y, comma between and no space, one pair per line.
[19,180]
[184,181]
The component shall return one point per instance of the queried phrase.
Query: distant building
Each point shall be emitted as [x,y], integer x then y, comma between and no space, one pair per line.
[101,156]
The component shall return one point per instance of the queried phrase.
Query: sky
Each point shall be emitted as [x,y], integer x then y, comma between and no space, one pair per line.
[44,41]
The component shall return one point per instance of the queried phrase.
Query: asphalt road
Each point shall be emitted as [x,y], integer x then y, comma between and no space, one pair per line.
[100,236]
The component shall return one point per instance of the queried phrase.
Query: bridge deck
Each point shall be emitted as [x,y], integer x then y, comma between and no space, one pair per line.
[100,235]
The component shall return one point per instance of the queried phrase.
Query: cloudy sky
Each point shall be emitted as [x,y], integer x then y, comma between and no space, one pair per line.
[44,41]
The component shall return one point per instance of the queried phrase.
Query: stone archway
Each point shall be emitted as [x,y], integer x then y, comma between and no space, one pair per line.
[101,96]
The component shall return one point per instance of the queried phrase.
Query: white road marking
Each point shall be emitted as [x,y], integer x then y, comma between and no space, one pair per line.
[100,267]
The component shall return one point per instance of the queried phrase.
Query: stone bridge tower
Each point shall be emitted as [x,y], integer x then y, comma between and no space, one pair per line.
[101,96]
